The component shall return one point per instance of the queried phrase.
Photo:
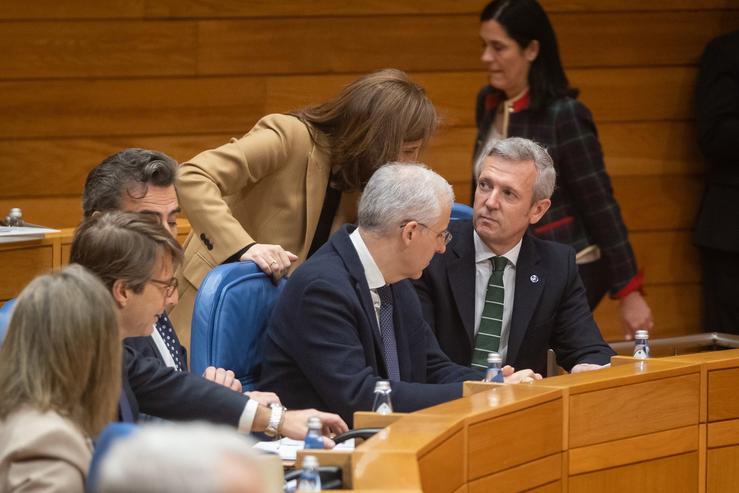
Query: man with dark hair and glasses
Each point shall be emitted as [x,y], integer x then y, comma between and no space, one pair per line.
[135,257]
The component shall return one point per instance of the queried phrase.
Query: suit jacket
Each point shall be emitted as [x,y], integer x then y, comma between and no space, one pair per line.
[323,347]
[42,451]
[266,187]
[550,312]
[717,119]
[584,210]
[157,390]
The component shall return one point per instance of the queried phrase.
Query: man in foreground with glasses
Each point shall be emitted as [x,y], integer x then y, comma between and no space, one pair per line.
[135,257]
[349,317]
[499,289]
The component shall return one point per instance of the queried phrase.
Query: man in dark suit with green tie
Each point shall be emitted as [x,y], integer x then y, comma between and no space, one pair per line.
[498,288]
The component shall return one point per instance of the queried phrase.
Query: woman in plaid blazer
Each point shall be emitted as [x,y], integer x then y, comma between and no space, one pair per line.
[529,96]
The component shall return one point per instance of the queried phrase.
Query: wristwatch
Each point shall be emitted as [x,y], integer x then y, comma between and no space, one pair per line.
[276,417]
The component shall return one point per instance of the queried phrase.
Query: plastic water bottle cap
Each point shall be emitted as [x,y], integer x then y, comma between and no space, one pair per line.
[382,385]
[494,358]
[310,461]
[15,212]
[641,334]
[314,422]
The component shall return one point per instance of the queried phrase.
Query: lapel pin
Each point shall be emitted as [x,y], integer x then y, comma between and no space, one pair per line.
[534,278]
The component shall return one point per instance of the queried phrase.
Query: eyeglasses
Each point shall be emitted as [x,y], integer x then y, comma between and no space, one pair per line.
[445,235]
[169,286]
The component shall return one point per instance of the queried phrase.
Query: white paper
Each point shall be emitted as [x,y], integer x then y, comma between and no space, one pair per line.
[23,233]
[287,448]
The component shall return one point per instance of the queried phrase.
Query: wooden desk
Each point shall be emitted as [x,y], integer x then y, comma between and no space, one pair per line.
[720,417]
[668,424]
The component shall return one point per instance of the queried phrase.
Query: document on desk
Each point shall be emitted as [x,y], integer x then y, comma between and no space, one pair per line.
[287,448]
[22,233]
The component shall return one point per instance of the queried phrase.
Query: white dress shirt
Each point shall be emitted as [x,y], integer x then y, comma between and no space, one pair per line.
[483,270]
[162,348]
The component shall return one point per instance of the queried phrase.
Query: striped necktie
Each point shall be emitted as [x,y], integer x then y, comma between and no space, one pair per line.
[487,339]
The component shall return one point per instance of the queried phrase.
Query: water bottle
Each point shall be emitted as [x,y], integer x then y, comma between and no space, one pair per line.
[14,218]
[641,344]
[494,372]
[382,404]
[310,479]
[313,439]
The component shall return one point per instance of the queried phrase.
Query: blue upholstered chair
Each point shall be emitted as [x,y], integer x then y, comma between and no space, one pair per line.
[107,438]
[5,312]
[461,211]
[232,309]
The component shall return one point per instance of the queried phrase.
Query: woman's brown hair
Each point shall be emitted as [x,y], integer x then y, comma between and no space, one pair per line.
[62,351]
[367,123]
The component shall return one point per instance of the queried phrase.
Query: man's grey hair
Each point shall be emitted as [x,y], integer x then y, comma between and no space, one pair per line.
[401,192]
[517,149]
[130,171]
[166,457]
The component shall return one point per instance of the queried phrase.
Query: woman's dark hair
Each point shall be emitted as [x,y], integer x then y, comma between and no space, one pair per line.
[525,21]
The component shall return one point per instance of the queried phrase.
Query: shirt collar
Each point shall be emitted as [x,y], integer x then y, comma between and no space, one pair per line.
[371,271]
[483,253]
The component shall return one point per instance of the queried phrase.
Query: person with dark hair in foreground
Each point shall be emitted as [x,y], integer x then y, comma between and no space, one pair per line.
[135,257]
[349,317]
[60,375]
[528,95]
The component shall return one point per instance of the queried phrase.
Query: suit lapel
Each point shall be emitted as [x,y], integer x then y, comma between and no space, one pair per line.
[461,273]
[529,287]
[343,245]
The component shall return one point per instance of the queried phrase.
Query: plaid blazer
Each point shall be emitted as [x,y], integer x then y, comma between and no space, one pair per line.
[583,210]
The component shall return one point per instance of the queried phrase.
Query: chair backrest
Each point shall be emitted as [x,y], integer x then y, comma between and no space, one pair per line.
[232,309]
[107,438]
[5,312]
[461,211]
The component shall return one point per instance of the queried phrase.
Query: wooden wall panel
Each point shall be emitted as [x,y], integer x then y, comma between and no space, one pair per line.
[675,308]
[670,256]
[66,162]
[103,107]
[631,149]
[58,211]
[116,9]
[352,44]
[658,202]
[97,49]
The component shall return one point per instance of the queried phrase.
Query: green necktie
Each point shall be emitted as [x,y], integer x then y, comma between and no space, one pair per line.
[487,339]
